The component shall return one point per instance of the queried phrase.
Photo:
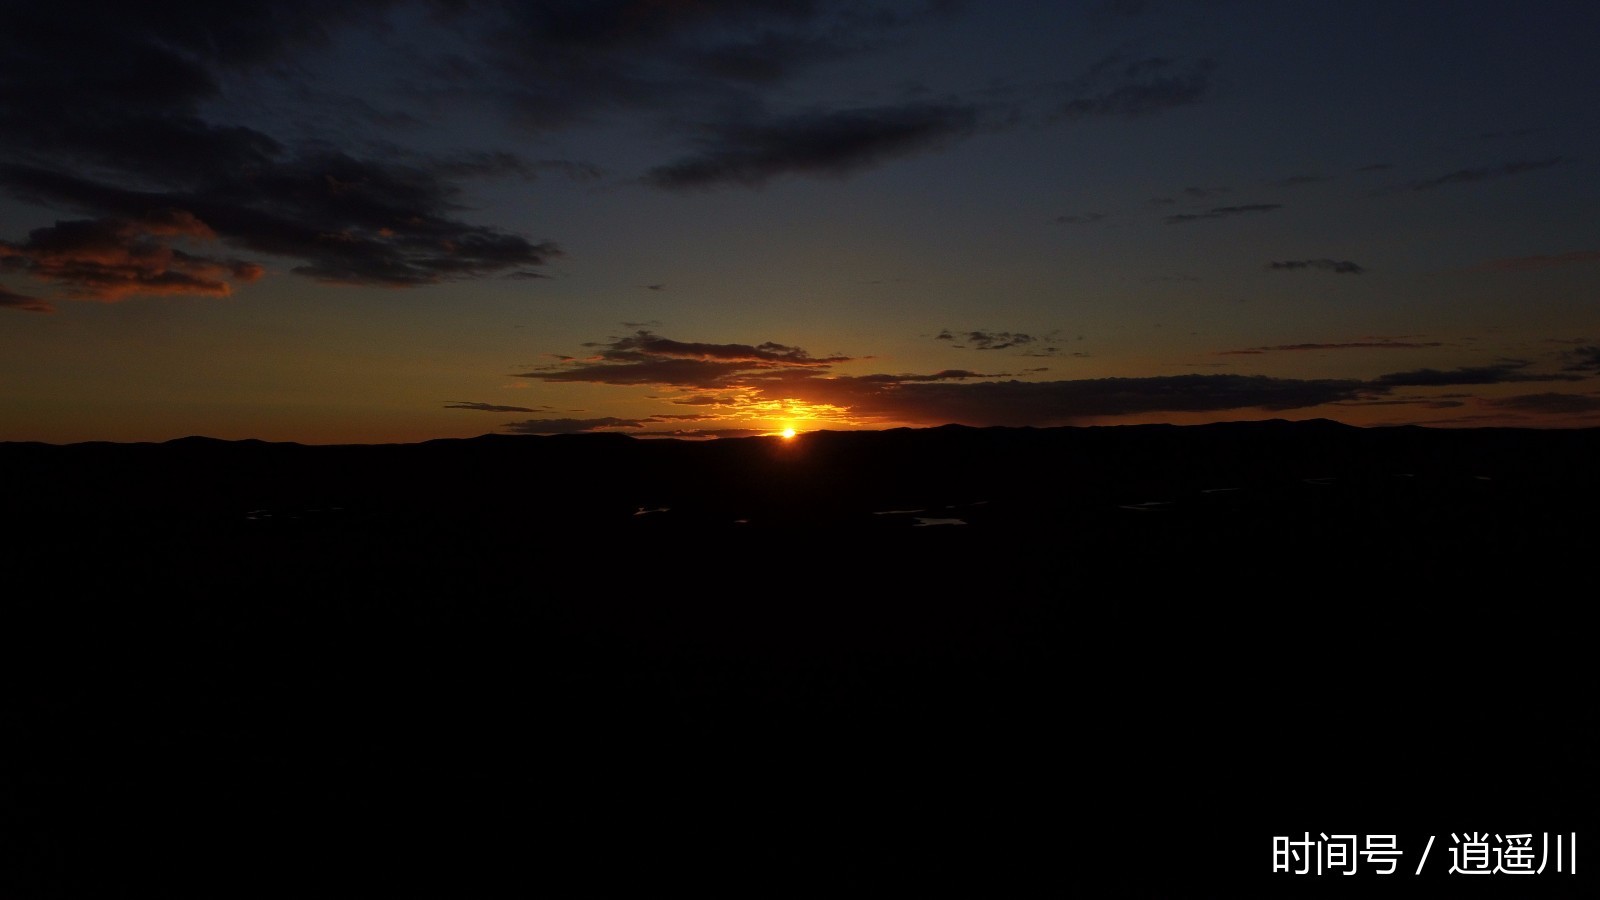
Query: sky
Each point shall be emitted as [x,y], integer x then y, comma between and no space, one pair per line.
[400,220]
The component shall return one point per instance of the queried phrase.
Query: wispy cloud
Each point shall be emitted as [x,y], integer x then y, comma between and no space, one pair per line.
[833,143]
[1498,373]
[1422,402]
[486,407]
[1583,359]
[555,64]
[647,358]
[1486,173]
[1224,212]
[1337,266]
[997,340]
[1118,86]
[571,426]
[10,299]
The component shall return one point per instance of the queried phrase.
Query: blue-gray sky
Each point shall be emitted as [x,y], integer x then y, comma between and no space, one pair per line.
[401,220]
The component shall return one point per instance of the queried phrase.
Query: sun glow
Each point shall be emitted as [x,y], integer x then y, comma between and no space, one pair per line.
[787,434]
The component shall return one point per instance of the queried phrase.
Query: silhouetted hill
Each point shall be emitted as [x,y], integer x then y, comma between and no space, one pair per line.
[1025,479]
[852,663]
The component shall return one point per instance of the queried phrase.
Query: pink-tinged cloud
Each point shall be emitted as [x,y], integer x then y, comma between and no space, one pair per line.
[113,259]
[1531,263]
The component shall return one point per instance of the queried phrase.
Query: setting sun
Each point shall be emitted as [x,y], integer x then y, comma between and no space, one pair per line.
[787,433]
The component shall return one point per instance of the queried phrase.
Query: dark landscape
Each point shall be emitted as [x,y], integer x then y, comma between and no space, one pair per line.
[1113,661]
[470,449]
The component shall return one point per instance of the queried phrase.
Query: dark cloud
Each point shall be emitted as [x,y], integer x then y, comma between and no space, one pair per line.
[110,259]
[1064,402]
[1222,212]
[486,407]
[644,345]
[1550,403]
[942,375]
[1339,266]
[1375,167]
[1002,340]
[1085,219]
[997,340]
[121,85]
[12,300]
[1529,263]
[1424,403]
[472,164]
[952,395]
[1583,359]
[571,426]
[117,110]
[556,63]
[648,358]
[703,433]
[345,220]
[1469,176]
[1346,345]
[1488,419]
[677,372]
[1498,373]
[1121,87]
[832,143]
[704,400]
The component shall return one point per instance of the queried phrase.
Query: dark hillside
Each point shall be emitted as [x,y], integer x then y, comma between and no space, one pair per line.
[851,663]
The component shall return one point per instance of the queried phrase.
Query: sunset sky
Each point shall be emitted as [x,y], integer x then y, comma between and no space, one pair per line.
[396,221]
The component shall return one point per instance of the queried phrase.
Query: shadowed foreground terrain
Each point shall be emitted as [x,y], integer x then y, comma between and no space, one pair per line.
[1113,661]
